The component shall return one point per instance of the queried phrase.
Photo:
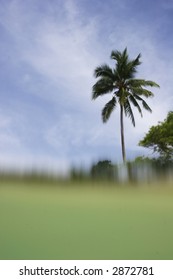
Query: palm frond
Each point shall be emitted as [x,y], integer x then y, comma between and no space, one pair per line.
[127,70]
[135,103]
[116,55]
[107,110]
[136,61]
[151,84]
[101,87]
[104,71]
[141,91]
[131,67]
[145,105]
[116,75]
[125,67]
[129,112]
[141,83]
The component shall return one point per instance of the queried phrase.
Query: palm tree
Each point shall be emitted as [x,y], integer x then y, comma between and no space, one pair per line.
[126,90]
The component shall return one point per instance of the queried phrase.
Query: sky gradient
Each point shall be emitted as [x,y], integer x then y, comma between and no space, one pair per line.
[48,53]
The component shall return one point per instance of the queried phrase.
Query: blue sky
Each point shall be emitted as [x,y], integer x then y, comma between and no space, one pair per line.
[48,52]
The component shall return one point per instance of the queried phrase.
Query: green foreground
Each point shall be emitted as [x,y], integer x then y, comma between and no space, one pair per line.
[85,223]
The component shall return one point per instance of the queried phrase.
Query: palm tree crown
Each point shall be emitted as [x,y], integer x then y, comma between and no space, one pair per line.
[126,90]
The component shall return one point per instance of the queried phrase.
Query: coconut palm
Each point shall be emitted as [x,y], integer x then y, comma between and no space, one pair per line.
[124,87]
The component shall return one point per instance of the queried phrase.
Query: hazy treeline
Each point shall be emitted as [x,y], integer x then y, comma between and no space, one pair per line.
[143,170]
[139,170]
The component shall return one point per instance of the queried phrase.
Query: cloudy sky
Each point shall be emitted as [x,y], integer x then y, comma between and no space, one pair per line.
[48,52]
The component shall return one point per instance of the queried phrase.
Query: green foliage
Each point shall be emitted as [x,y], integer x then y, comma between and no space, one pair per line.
[107,110]
[103,170]
[160,138]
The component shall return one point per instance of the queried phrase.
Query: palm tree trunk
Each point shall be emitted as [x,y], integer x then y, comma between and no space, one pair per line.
[122,134]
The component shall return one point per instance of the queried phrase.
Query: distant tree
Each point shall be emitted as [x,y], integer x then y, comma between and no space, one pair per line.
[160,138]
[102,170]
[126,90]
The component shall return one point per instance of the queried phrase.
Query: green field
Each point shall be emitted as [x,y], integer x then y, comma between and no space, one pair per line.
[85,222]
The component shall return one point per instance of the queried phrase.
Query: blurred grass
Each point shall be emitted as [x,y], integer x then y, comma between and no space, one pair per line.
[83,221]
